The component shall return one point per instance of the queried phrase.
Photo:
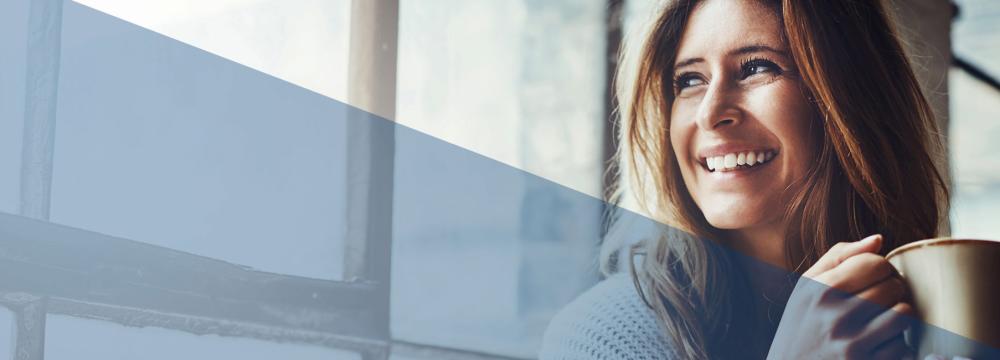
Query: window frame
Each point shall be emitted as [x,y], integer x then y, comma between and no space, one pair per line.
[88,275]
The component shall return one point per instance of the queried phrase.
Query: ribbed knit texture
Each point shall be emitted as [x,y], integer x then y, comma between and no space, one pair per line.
[608,322]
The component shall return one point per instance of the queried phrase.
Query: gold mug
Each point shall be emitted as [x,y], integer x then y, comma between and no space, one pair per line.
[955,286]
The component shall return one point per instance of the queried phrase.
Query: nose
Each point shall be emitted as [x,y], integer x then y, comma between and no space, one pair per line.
[718,108]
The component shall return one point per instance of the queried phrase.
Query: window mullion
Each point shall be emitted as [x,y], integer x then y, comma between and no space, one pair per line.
[29,330]
[41,87]
[44,30]
[371,150]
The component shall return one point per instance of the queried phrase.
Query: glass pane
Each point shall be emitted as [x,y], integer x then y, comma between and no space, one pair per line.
[13,42]
[976,170]
[74,338]
[638,15]
[480,253]
[975,34]
[304,42]
[164,143]
[975,108]
[506,86]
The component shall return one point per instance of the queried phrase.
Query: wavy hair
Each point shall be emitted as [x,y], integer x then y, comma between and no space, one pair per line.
[878,150]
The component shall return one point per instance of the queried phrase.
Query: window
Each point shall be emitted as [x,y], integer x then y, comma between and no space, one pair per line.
[177,157]
[180,193]
[176,192]
[474,242]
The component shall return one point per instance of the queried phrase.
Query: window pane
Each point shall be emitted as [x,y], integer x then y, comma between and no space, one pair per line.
[74,338]
[976,186]
[13,42]
[506,86]
[304,42]
[481,256]
[164,143]
[975,108]
[975,34]
[638,15]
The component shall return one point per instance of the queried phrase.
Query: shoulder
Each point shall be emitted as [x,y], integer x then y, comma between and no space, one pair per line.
[608,321]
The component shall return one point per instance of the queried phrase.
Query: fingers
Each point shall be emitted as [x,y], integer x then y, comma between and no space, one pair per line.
[857,273]
[886,293]
[888,325]
[894,349]
[941,357]
[842,251]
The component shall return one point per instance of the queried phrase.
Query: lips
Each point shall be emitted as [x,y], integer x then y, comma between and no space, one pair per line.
[735,161]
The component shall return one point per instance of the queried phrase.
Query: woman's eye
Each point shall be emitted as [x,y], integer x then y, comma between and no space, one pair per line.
[687,80]
[758,66]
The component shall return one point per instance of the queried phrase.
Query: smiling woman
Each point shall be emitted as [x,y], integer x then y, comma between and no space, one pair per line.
[780,132]
[736,92]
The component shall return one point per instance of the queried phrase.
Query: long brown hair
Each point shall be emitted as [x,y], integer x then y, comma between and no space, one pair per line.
[876,172]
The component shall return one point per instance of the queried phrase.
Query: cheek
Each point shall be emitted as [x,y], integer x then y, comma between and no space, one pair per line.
[682,131]
[680,140]
[677,145]
[788,115]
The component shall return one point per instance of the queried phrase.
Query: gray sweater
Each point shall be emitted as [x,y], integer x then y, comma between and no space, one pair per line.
[609,321]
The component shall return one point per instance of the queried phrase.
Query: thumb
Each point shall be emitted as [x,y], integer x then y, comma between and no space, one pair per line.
[840,252]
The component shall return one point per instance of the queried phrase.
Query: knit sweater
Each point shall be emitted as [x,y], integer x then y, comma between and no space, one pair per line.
[608,322]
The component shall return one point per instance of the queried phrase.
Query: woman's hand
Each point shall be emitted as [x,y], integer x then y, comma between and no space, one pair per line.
[850,304]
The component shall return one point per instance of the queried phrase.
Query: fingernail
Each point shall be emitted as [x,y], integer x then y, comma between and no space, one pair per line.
[872,238]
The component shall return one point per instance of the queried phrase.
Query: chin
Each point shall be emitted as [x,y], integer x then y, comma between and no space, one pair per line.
[734,216]
[726,222]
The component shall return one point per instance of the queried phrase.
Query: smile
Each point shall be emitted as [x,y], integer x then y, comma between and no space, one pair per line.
[737,161]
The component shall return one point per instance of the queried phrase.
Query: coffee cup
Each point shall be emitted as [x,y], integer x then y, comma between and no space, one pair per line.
[955,290]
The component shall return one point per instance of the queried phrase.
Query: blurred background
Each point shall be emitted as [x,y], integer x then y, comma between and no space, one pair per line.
[525,82]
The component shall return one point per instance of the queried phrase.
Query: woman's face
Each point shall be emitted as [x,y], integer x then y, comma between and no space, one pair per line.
[740,122]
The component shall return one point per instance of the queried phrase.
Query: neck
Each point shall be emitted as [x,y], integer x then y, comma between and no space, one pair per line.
[763,260]
[765,243]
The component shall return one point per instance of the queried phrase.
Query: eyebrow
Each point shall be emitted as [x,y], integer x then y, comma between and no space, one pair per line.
[741,51]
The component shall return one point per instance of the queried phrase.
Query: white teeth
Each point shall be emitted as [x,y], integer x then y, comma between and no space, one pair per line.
[730,161]
[733,160]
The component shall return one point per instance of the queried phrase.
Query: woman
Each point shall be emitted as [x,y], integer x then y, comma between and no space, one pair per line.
[785,130]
